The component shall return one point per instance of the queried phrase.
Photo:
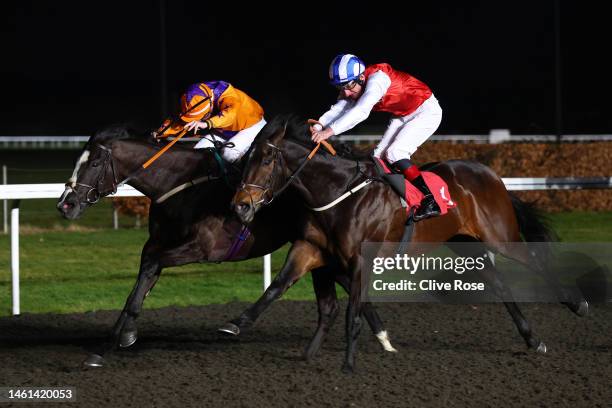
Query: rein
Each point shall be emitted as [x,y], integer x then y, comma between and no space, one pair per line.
[277,154]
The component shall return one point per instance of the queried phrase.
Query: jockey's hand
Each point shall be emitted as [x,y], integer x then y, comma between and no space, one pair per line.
[320,135]
[314,126]
[162,132]
[195,125]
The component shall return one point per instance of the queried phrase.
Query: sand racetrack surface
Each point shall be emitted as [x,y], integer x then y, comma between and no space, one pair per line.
[449,355]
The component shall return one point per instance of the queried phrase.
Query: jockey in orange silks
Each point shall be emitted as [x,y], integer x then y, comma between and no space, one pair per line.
[237,117]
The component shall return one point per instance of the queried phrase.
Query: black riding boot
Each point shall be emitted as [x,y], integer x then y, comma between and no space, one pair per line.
[429,207]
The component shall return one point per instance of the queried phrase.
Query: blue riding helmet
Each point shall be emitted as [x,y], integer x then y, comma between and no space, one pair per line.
[345,68]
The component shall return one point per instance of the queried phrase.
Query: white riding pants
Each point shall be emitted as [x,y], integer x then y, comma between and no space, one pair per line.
[241,140]
[405,133]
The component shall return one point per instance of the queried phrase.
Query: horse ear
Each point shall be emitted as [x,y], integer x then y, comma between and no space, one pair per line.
[279,134]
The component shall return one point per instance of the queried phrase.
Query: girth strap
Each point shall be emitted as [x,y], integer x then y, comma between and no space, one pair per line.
[182,187]
[343,196]
[407,235]
[239,241]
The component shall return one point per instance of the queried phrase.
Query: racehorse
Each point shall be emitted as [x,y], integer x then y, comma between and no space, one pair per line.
[190,221]
[485,213]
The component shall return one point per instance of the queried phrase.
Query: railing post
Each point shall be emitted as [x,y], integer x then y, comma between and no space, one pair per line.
[15,256]
[115,219]
[5,202]
[499,136]
[267,273]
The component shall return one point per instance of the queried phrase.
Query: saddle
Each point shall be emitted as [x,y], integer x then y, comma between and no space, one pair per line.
[411,196]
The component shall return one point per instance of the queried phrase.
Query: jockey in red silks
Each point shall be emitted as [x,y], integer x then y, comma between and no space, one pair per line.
[379,87]
[218,105]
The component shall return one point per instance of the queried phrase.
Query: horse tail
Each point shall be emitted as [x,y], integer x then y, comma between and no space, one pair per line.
[534,226]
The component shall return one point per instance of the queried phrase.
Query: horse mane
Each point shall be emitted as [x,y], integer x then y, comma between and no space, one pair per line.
[123,132]
[117,132]
[297,130]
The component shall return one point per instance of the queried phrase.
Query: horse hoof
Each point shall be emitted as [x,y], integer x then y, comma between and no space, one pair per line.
[128,338]
[383,338]
[309,355]
[347,369]
[583,308]
[94,361]
[229,328]
[541,349]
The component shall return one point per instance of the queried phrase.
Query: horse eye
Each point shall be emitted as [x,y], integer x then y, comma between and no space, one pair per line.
[95,164]
[267,162]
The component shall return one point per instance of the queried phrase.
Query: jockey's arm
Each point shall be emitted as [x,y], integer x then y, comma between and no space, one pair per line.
[336,110]
[375,88]
[228,109]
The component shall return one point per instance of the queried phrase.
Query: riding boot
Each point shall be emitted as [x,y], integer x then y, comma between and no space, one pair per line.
[428,207]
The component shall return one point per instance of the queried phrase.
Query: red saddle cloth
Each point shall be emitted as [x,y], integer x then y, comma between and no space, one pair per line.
[438,187]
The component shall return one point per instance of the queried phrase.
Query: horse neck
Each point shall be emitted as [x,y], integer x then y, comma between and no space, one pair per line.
[323,179]
[169,170]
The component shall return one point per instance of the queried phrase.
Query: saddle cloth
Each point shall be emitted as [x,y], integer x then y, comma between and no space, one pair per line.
[411,195]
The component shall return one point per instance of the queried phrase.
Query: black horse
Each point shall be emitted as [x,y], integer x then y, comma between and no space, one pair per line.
[190,221]
[485,213]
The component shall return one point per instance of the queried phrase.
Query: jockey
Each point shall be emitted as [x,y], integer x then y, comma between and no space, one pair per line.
[218,105]
[416,115]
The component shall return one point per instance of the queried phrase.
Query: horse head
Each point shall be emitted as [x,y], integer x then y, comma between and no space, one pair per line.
[94,174]
[265,172]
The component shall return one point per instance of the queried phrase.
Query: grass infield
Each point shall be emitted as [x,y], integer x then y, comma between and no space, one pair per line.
[85,266]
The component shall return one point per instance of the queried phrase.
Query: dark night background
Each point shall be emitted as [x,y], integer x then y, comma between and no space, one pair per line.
[69,68]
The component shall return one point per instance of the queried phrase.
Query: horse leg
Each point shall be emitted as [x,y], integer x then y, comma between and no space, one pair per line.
[353,320]
[152,261]
[491,275]
[150,270]
[327,303]
[571,298]
[124,331]
[147,278]
[371,315]
[302,258]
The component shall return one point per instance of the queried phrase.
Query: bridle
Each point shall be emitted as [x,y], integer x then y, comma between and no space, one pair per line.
[267,189]
[94,193]
[278,156]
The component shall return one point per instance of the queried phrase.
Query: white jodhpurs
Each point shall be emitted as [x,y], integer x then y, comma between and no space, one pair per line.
[405,133]
[241,140]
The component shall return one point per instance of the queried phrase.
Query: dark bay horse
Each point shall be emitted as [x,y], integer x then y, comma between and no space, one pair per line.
[485,213]
[196,224]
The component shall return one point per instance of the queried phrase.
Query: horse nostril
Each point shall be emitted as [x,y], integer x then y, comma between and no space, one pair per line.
[242,208]
[64,206]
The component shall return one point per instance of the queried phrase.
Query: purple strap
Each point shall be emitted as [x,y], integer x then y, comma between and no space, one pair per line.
[238,243]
